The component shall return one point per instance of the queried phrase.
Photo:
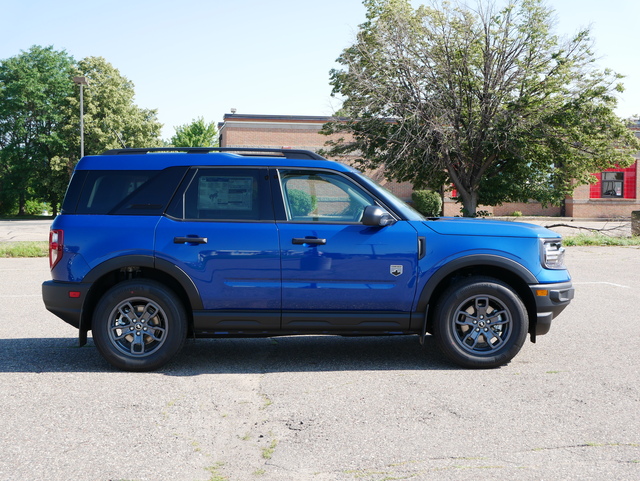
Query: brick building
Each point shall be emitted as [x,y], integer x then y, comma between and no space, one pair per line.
[616,194]
[289,131]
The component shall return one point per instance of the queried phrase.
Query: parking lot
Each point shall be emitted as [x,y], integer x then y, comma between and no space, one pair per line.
[328,408]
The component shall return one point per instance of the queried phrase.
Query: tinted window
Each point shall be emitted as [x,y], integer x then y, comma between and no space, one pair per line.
[104,189]
[74,190]
[225,194]
[130,192]
[152,197]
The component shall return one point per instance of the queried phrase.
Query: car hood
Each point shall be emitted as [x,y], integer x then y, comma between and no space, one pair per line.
[487,227]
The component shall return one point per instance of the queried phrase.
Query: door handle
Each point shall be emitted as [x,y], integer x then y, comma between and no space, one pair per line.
[308,240]
[190,240]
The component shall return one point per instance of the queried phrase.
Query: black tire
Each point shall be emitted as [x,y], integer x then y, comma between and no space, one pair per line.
[139,325]
[480,323]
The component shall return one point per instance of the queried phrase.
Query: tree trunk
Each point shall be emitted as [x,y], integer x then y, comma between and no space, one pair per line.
[21,204]
[53,201]
[469,203]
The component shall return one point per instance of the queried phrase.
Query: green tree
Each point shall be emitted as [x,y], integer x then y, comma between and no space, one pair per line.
[39,121]
[490,101]
[111,119]
[196,134]
[34,87]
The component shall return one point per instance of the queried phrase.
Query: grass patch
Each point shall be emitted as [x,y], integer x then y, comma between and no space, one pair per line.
[24,249]
[267,453]
[600,240]
[267,401]
[215,475]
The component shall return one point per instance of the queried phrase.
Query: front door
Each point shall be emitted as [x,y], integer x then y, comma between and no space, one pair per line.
[338,274]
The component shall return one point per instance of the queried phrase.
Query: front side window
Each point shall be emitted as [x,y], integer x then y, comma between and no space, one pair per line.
[313,196]
[613,184]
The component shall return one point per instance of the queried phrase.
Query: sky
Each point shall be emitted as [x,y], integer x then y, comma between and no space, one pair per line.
[201,58]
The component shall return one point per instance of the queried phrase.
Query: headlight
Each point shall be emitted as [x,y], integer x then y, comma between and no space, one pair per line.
[552,253]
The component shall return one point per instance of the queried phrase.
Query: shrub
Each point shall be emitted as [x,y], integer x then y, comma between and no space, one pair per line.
[302,204]
[36,207]
[427,202]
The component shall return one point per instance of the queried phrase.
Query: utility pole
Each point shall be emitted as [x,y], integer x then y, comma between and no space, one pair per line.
[82,81]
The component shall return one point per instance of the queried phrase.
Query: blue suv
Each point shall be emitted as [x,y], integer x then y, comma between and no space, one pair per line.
[153,246]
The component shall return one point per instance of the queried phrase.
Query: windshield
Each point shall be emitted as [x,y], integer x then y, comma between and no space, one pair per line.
[400,206]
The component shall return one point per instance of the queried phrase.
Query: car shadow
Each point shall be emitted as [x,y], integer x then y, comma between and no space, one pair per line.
[237,356]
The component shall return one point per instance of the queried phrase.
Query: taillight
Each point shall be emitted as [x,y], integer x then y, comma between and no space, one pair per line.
[56,244]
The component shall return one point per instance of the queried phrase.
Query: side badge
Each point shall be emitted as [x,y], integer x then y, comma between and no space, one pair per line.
[396,270]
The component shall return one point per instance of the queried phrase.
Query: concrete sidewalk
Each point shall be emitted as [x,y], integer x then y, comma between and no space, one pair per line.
[569,226]
[24,230]
[38,230]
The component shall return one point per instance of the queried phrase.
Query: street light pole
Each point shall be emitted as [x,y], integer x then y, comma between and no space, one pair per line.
[81,81]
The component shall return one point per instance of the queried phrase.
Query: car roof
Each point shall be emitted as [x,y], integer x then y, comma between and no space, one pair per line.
[159,159]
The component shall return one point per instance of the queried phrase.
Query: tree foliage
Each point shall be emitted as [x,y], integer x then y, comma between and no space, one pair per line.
[490,101]
[111,119]
[34,86]
[196,134]
[39,121]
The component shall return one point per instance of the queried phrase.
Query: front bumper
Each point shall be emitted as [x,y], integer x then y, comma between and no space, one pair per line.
[65,300]
[551,300]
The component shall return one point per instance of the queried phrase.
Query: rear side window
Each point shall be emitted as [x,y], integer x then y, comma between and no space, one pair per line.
[225,194]
[130,192]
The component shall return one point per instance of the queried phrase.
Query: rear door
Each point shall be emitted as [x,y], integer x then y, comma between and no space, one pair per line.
[220,230]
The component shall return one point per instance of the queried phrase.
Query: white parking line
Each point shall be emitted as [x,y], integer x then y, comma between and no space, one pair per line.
[602,282]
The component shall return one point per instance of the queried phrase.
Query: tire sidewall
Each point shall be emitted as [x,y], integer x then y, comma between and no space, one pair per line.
[134,289]
[444,325]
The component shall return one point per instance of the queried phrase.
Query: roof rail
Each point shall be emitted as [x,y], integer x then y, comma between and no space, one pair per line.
[246,151]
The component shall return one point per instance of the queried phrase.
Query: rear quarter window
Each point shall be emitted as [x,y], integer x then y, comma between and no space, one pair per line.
[131,192]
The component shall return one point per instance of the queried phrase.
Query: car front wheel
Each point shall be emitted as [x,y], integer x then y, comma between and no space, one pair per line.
[139,325]
[480,323]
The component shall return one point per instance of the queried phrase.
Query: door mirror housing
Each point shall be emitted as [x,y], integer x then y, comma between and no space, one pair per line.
[376,216]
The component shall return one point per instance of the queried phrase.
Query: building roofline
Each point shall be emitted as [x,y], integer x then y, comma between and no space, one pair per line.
[278,118]
[275,119]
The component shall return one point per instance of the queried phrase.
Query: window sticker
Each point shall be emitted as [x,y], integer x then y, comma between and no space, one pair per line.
[225,193]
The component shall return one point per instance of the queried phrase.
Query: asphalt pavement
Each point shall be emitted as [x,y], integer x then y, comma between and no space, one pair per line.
[327,408]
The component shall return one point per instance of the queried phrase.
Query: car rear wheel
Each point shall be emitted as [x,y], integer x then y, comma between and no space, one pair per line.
[480,323]
[139,325]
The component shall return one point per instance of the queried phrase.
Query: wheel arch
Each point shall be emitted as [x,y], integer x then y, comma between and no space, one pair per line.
[111,272]
[503,269]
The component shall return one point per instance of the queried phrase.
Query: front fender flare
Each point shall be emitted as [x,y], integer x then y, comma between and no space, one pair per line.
[474,260]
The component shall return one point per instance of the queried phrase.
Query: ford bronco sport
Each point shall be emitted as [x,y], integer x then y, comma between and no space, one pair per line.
[153,246]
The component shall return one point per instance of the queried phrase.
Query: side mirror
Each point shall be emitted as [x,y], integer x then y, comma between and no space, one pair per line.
[377,216]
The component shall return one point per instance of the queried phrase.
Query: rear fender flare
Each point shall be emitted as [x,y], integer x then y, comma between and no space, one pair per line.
[143,261]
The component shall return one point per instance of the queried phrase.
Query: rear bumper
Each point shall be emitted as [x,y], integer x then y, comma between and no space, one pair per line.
[551,300]
[65,300]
